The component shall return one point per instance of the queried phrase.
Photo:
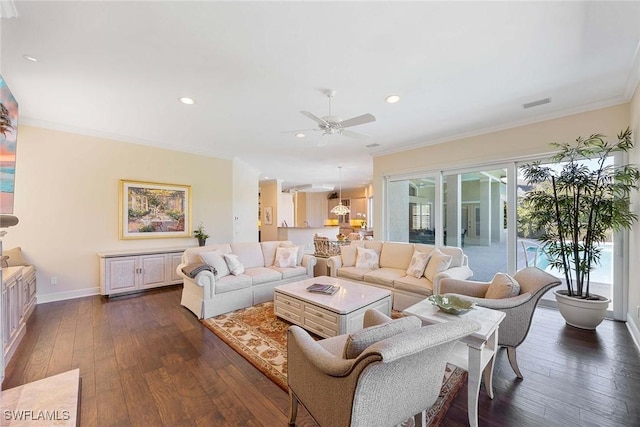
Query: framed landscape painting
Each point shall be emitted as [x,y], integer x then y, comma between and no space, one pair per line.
[154,210]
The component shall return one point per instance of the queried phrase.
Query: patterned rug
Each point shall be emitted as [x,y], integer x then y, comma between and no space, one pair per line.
[261,338]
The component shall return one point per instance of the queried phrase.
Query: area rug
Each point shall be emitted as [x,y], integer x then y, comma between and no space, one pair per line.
[261,338]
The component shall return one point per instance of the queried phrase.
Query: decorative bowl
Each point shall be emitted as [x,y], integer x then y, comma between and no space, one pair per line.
[451,304]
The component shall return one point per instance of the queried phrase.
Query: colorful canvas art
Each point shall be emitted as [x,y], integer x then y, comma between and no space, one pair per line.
[8,139]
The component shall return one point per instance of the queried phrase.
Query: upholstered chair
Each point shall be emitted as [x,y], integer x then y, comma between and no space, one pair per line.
[388,372]
[527,287]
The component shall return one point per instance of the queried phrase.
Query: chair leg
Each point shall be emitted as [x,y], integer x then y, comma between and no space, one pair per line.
[293,408]
[511,354]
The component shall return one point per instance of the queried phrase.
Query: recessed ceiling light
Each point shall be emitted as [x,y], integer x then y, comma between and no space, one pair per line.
[300,135]
[30,58]
[392,99]
[266,177]
[187,101]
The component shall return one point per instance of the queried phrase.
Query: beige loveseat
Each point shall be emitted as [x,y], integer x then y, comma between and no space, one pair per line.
[391,272]
[208,295]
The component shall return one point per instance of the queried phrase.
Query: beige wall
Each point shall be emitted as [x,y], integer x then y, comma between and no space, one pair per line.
[66,198]
[634,240]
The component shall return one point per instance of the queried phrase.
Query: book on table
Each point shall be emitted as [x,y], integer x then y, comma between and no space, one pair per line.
[319,288]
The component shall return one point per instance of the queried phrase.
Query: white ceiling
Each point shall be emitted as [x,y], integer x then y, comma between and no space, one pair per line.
[116,69]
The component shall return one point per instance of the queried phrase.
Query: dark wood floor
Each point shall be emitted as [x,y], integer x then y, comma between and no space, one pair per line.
[146,361]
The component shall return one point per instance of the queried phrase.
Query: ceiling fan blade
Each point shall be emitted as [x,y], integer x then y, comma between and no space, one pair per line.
[354,134]
[315,118]
[360,120]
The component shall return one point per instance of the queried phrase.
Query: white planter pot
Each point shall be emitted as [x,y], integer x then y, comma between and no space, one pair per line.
[582,313]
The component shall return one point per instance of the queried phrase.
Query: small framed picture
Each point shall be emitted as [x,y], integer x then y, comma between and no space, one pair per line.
[268,215]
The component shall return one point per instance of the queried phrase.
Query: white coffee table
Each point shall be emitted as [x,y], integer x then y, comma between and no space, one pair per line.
[474,353]
[329,315]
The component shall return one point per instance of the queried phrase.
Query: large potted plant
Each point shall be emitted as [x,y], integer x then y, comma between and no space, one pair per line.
[578,200]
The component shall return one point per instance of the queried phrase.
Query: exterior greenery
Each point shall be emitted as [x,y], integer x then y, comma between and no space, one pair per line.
[576,208]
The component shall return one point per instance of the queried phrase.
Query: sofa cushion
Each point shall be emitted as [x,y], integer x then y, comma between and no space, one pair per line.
[286,257]
[269,251]
[359,341]
[291,272]
[438,262]
[348,254]
[216,260]
[192,255]
[367,258]
[418,263]
[234,264]
[15,257]
[421,286]
[261,275]
[376,245]
[249,254]
[502,286]
[384,276]
[396,255]
[353,273]
[457,255]
[230,283]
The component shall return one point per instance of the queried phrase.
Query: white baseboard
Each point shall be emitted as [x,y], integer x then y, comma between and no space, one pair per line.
[633,329]
[61,296]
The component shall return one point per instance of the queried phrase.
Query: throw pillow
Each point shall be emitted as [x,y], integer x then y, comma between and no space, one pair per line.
[359,341]
[15,257]
[418,263]
[286,257]
[367,258]
[234,264]
[216,260]
[300,251]
[437,263]
[502,286]
[348,253]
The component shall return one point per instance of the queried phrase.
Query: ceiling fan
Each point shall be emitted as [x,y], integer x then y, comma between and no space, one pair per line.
[334,125]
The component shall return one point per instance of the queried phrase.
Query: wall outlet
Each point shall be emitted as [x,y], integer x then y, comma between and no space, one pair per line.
[54,280]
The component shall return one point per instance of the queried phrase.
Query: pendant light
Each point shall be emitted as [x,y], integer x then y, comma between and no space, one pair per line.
[340,209]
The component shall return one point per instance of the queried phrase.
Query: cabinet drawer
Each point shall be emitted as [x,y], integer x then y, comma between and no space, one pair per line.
[286,301]
[319,329]
[321,316]
[285,312]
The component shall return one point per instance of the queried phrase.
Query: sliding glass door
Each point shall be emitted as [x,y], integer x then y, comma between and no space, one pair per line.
[475,218]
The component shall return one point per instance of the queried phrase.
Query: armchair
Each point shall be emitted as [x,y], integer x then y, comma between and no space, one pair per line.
[396,377]
[533,282]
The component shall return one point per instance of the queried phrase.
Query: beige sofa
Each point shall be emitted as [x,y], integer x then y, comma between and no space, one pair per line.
[394,260]
[208,295]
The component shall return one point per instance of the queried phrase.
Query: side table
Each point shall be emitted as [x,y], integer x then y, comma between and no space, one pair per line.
[474,353]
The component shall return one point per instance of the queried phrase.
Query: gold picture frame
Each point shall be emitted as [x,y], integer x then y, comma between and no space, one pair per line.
[149,210]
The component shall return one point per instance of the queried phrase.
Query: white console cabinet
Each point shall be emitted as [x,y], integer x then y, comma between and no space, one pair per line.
[129,271]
